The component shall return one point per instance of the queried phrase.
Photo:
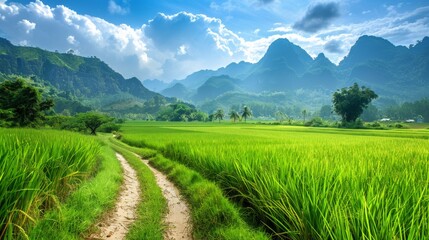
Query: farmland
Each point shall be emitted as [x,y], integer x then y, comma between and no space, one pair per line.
[308,183]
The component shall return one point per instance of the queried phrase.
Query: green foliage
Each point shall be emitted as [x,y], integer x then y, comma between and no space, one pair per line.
[247,113]
[84,207]
[21,104]
[93,120]
[234,115]
[180,112]
[109,127]
[315,122]
[213,216]
[298,181]
[418,110]
[219,114]
[350,102]
[37,170]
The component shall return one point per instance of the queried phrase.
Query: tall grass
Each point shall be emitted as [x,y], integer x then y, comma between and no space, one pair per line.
[37,170]
[304,183]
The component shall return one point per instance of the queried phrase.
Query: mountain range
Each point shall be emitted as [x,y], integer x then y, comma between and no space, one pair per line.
[395,73]
[285,79]
[88,80]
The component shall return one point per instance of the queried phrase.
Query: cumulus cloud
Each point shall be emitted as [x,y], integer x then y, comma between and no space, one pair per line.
[27,25]
[40,9]
[318,16]
[71,40]
[211,44]
[115,8]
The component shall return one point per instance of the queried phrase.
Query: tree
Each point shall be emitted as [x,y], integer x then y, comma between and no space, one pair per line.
[21,104]
[350,102]
[246,113]
[281,116]
[304,114]
[93,120]
[234,115]
[219,114]
[325,112]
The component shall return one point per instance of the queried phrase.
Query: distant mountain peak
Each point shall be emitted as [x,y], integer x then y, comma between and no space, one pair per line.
[322,61]
[283,53]
[369,48]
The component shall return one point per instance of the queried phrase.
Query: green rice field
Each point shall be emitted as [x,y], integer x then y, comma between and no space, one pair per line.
[307,183]
[38,169]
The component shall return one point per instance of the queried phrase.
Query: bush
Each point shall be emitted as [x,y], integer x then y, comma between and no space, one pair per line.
[358,124]
[315,122]
[109,127]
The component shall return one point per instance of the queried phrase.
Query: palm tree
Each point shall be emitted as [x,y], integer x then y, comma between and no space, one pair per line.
[246,113]
[234,115]
[304,113]
[219,114]
[281,116]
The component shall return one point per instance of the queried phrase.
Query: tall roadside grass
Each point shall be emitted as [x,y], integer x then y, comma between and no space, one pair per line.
[38,169]
[304,183]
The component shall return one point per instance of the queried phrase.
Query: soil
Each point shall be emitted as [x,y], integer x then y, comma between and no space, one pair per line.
[178,218]
[116,224]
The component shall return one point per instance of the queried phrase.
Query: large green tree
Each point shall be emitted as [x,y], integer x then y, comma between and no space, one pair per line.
[93,120]
[21,104]
[350,102]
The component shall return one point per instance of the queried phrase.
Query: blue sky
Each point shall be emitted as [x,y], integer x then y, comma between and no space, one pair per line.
[169,39]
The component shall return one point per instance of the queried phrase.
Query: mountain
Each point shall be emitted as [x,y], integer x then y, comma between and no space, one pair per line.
[80,76]
[390,70]
[396,73]
[156,85]
[178,90]
[216,86]
[280,67]
[321,74]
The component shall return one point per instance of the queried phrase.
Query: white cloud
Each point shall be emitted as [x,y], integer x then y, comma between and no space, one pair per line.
[256,31]
[40,9]
[182,50]
[27,25]
[114,8]
[71,40]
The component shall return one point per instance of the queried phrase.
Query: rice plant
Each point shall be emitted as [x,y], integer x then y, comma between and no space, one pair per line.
[37,170]
[309,183]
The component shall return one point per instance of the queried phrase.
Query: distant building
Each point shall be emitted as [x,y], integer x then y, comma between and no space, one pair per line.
[385,120]
[410,121]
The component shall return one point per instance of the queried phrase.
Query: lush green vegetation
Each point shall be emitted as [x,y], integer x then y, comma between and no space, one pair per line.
[76,217]
[38,169]
[350,102]
[21,104]
[213,216]
[308,183]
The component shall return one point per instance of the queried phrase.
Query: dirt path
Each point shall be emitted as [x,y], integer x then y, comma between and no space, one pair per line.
[178,218]
[116,224]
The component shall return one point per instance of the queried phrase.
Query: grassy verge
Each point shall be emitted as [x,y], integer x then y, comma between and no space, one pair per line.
[213,216]
[86,205]
[151,209]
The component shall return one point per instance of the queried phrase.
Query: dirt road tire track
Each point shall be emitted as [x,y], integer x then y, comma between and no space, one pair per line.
[117,223]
